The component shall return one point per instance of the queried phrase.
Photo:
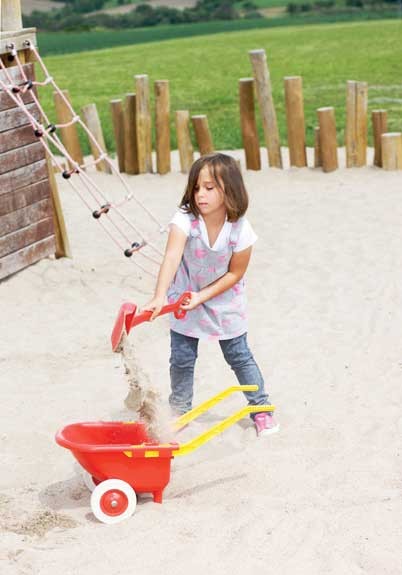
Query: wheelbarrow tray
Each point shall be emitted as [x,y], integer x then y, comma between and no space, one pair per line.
[120,450]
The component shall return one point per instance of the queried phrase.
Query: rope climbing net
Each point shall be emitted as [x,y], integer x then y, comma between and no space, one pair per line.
[127,236]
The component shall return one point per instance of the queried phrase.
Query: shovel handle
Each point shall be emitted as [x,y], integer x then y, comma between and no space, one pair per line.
[179,313]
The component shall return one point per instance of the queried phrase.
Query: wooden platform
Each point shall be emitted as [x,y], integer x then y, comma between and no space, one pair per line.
[26,209]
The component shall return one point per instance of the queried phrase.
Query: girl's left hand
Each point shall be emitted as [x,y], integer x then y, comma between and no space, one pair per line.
[192,301]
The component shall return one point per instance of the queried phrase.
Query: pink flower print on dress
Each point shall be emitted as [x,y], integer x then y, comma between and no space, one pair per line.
[211,269]
[199,279]
[237,289]
[200,254]
[222,259]
[226,323]
[204,323]
[194,224]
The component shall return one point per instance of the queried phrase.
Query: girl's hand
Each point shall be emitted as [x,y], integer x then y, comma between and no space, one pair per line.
[155,305]
[192,301]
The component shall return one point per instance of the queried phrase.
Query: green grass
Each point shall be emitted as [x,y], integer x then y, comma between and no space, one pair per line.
[204,73]
[68,42]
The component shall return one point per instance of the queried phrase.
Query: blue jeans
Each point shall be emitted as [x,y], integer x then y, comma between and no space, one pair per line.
[184,351]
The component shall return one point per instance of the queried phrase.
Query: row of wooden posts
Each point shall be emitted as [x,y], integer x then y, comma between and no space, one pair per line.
[132,126]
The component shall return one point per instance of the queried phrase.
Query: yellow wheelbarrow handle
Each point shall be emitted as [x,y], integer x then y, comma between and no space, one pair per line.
[203,407]
[222,425]
[195,443]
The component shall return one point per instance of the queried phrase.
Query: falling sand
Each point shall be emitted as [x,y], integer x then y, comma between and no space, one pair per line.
[142,398]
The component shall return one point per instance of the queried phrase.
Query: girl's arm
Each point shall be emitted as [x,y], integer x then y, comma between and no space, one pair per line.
[237,268]
[171,260]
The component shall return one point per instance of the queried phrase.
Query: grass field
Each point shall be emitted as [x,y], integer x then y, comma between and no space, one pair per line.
[52,43]
[204,72]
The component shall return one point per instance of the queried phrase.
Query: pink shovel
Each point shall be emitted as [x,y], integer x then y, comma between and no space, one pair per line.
[126,318]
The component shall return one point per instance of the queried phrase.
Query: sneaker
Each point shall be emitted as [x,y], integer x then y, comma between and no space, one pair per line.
[265,424]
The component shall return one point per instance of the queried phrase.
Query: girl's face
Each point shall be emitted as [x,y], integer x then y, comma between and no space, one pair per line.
[209,198]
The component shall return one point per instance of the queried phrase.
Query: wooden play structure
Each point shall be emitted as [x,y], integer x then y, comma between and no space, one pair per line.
[31,221]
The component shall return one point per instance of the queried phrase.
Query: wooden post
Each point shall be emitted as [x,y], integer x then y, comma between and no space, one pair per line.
[162,126]
[11,18]
[60,230]
[356,124]
[11,21]
[143,123]
[248,124]
[391,151]
[130,135]
[267,108]
[329,152]
[116,109]
[184,140]
[68,135]
[295,121]
[379,121]
[202,134]
[91,118]
[317,148]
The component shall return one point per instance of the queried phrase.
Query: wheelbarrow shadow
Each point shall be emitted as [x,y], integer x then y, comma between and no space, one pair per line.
[69,494]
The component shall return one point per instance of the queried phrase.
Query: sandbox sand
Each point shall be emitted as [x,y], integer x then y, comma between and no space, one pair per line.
[323,496]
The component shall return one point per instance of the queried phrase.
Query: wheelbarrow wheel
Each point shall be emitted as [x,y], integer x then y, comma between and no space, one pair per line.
[113,501]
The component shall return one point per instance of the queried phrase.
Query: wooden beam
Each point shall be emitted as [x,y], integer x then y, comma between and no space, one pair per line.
[24,156]
[23,197]
[117,113]
[25,216]
[162,126]
[69,134]
[12,181]
[379,121]
[391,151]
[62,244]
[295,121]
[248,124]
[143,122]
[130,135]
[264,92]
[186,152]
[328,144]
[356,124]
[15,117]
[202,134]
[26,236]
[11,16]
[91,119]
[18,38]
[26,256]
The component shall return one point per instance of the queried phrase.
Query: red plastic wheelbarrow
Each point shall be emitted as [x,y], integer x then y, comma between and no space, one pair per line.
[120,460]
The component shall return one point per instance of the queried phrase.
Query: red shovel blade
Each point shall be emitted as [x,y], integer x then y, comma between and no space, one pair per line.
[126,318]
[122,323]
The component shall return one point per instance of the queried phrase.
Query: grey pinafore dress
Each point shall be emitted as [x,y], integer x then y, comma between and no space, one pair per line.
[221,317]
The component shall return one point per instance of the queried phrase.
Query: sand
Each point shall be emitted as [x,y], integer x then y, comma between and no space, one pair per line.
[323,496]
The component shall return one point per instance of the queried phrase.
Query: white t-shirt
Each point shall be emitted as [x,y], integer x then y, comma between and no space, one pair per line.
[247,236]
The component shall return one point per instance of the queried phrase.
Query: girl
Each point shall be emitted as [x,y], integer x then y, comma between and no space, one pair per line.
[207,253]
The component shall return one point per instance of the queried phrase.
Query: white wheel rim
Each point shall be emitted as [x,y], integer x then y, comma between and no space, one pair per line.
[113,501]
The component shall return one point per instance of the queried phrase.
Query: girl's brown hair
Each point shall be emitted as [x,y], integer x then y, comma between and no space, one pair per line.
[228,178]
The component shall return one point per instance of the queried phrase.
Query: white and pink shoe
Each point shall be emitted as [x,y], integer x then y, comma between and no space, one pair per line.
[265,424]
